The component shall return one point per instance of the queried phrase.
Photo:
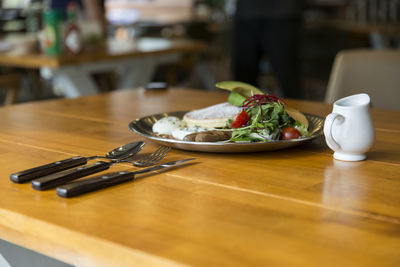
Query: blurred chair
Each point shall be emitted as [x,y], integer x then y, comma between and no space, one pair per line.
[11,83]
[375,72]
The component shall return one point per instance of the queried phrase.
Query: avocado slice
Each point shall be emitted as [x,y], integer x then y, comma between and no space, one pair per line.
[236,99]
[244,89]
[297,115]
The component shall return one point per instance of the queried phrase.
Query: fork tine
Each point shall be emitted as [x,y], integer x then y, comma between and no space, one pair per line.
[154,157]
[157,155]
[161,153]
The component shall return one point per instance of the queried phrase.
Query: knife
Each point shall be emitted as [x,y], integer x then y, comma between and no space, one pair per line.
[110,179]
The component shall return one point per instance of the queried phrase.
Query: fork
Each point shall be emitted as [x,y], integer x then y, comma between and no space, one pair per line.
[153,158]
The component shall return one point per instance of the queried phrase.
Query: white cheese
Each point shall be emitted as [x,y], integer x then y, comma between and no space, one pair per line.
[168,125]
[180,133]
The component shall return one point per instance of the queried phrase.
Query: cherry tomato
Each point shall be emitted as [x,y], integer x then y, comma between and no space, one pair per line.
[240,120]
[290,133]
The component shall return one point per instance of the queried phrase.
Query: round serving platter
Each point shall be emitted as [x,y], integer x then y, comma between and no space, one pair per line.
[143,126]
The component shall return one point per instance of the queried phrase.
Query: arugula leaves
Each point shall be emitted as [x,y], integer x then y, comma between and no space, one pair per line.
[265,124]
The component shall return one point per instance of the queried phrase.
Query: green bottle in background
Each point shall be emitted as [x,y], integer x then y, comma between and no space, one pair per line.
[52,21]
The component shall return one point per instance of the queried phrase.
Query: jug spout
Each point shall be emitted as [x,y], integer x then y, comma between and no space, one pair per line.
[354,100]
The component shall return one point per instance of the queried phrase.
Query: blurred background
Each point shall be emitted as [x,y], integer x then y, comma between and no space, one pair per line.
[325,27]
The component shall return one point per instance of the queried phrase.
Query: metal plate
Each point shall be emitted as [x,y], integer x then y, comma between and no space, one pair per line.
[143,126]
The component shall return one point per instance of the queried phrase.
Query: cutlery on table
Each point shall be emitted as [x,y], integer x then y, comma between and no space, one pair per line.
[56,179]
[124,152]
[102,181]
[153,158]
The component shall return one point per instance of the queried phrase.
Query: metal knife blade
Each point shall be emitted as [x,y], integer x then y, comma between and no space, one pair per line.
[163,165]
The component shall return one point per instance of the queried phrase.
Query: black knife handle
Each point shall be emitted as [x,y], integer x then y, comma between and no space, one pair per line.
[30,174]
[93,184]
[56,179]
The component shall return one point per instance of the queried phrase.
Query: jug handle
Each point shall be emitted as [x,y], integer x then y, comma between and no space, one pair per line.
[328,129]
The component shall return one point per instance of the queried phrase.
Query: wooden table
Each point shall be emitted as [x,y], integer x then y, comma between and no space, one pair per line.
[134,61]
[294,207]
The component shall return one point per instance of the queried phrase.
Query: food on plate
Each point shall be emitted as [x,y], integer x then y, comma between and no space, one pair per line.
[209,136]
[249,116]
[290,133]
[263,119]
[297,115]
[167,125]
[243,88]
[239,91]
[174,127]
[214,116]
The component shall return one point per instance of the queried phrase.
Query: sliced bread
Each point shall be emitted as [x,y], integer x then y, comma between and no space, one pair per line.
[214,116]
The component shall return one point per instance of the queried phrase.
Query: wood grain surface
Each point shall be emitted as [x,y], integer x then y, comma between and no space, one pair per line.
[293,207]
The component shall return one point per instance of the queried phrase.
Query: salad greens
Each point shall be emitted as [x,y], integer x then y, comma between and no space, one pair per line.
[262,120]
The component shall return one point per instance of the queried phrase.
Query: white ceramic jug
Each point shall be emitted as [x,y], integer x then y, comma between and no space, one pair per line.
[349,130]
